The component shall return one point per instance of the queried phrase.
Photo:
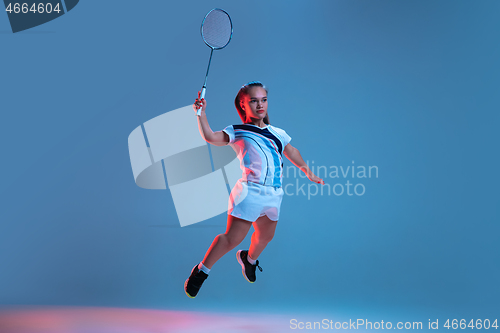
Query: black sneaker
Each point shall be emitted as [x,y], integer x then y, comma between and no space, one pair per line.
[194,282]
[247,268]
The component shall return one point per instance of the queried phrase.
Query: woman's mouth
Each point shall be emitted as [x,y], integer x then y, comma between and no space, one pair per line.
[260,111]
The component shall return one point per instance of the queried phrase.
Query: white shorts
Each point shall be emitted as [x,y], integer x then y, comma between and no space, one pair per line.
[249,201]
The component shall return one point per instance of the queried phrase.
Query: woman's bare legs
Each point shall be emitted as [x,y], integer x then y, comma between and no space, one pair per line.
[263,234]
[236,231]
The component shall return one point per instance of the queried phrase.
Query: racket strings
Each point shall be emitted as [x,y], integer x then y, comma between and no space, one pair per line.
[216,29]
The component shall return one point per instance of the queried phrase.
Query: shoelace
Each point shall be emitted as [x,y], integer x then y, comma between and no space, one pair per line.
[257,264]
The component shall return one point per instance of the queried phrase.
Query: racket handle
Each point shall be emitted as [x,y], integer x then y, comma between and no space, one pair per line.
[198,113]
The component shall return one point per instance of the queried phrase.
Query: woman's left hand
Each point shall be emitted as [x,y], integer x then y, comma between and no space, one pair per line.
[316,179]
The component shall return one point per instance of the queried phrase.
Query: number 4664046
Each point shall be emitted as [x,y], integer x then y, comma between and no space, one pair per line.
[40,8]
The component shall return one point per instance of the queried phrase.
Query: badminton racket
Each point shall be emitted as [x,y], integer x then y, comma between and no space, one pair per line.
[216,31]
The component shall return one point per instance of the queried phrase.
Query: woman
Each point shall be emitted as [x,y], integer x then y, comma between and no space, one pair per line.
[256,197]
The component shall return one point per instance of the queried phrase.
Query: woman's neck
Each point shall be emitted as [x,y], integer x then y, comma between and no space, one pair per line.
[257,122]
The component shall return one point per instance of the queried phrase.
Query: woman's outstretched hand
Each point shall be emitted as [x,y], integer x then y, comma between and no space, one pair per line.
[316,179]
[199,102]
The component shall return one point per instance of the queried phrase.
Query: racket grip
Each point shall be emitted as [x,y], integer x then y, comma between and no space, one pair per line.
[198,113]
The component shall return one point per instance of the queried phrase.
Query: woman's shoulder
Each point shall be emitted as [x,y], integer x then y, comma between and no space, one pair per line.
[281,132]
[277,129]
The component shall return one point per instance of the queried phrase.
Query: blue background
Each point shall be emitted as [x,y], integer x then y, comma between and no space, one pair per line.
[411,87]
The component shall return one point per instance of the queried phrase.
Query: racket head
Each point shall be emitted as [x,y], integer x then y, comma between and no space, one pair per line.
[217,29]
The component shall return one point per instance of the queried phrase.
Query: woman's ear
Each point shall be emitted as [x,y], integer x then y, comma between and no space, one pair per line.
[242,102]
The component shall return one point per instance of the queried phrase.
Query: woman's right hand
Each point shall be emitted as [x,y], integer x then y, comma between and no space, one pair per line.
[199,103]
[316,179]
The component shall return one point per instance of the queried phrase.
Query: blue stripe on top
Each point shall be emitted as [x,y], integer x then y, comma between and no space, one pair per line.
[262,131]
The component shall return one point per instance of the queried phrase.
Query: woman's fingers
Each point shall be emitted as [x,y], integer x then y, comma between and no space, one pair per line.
[317,180]
[199,103]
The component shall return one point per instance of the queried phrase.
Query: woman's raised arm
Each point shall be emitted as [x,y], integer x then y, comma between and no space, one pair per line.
[219,138]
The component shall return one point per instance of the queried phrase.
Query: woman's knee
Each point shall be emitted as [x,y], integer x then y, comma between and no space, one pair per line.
[233,240]
[265,238]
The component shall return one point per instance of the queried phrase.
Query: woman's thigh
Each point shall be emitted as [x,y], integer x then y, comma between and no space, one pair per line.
[265,227]
[237,228]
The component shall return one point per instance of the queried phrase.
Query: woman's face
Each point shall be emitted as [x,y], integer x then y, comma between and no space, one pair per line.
[255,103]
